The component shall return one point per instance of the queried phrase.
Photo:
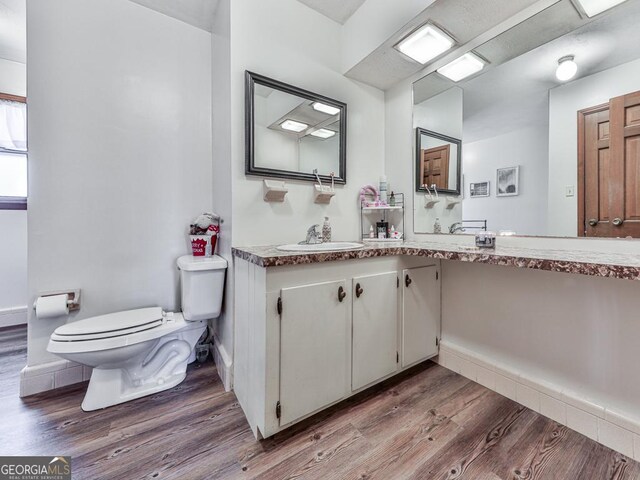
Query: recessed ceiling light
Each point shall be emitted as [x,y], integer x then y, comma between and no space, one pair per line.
[425,44]
[323,133]
[567,68]
[594,7]
[294,126]
[462,67]
[324,108]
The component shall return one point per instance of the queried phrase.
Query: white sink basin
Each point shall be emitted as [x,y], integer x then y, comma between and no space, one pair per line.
[321,247]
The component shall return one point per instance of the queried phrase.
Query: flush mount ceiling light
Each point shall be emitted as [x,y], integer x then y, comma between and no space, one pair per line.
[323,133]
[462,67]
[425,44]
[567,68]
[294,126]
[324,108]
[595,7]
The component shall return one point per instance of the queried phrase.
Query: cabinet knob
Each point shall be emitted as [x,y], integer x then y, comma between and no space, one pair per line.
[593,222]
[341,294]
[359,290]
[617,221]
[407,280]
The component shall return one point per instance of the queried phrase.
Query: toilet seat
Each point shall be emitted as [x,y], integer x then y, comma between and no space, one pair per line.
[110,325]
[115,330]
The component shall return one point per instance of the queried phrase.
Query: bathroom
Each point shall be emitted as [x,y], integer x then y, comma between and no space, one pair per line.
[412,349]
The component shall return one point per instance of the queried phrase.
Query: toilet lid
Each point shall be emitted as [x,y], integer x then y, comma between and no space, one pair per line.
[114,323]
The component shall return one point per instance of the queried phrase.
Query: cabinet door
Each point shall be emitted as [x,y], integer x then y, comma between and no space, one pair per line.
[375,327]
[315,348]
[420,314]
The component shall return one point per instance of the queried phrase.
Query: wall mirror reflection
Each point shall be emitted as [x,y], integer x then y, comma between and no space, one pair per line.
[549,128]
[438,159]
[290,132]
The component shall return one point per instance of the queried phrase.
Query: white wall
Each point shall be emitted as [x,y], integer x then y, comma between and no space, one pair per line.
[13,224]
[575,331]
[526,213]
[120,154]
[564,103]
[280,39]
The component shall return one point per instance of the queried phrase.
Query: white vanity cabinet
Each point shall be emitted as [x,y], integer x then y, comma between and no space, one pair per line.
[420,314]
[308,336]
[375,328]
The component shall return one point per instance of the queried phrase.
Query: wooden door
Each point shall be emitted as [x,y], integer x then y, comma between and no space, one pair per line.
[434,167]
[625,167]
[375,328]
[593,190]
[420,314]
[315,348]
[609,169]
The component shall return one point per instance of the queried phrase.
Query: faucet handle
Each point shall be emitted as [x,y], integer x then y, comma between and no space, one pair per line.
[313,228]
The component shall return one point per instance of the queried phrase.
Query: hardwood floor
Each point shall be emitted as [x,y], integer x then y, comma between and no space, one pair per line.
[429,423]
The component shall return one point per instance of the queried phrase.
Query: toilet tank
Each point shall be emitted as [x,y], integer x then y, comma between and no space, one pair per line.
[202,284]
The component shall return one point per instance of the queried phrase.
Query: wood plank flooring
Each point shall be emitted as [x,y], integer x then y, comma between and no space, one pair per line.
[430,423]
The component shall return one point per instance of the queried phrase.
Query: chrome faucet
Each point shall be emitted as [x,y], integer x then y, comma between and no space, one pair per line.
[456,227]
[313,236]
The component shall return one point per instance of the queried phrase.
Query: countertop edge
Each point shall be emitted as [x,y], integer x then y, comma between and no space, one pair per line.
[591,268]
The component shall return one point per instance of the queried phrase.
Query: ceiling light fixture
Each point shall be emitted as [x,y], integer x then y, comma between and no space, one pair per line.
[425,44]
[323,133]
[595,7]
[462,67]
[294,126]
[567,68]
[324,108]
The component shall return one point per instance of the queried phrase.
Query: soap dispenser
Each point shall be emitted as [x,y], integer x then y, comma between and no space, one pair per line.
[326,231]
[437,228]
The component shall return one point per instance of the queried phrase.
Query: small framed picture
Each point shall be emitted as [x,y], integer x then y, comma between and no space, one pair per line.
[479,189]
[508,180]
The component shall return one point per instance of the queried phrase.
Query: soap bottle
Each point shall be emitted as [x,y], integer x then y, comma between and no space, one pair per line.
[437,228]
[372,234]
[392,200]
[326,231]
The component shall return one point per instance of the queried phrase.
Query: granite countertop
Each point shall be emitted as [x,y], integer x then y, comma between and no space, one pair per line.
[612,265]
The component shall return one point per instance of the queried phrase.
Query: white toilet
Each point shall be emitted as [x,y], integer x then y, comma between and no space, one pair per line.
[139,352]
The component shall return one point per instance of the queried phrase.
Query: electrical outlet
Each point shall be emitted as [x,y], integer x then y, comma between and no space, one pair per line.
[569,191]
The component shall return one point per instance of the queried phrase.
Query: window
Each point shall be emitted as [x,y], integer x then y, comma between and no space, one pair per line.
[13,152]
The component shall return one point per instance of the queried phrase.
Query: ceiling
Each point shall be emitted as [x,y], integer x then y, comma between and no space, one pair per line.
[509,94]
[198,13]
[337,10]
[13,30]
[464,20]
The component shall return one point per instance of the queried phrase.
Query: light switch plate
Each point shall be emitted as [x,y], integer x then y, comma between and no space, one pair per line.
[569,191]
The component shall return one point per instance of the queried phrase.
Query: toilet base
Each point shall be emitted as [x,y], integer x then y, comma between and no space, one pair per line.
[98,397]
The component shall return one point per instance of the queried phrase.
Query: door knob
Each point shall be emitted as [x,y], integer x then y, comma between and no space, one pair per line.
[359,290]
[407,280]
[593,222]
[341,294]
[617,221]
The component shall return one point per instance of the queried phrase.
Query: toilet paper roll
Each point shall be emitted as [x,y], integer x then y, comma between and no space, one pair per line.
[53,306]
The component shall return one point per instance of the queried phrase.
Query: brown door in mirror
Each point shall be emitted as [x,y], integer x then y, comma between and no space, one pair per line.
[434,167]
[609,169]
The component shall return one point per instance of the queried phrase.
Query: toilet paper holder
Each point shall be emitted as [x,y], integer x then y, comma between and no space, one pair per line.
[73,298]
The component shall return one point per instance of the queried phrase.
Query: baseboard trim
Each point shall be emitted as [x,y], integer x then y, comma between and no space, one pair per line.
[10,317]
[605,425]
[49,376]
[224,365]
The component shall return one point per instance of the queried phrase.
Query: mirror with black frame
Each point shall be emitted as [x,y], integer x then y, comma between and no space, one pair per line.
[549,128]
[438,160]
[292,133]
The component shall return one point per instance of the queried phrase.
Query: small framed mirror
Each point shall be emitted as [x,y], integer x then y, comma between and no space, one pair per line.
[438,162]
[291,132]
